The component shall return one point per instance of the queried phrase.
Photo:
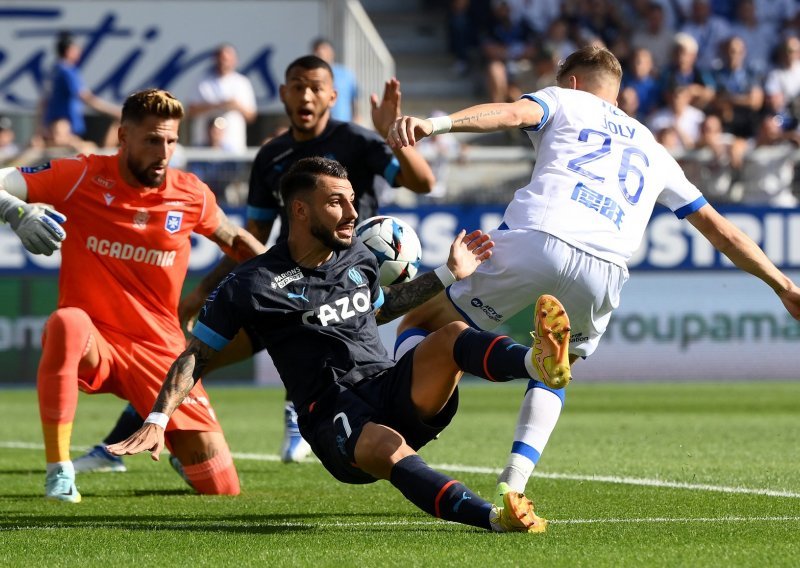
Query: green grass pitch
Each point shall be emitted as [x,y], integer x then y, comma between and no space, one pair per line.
[635,475]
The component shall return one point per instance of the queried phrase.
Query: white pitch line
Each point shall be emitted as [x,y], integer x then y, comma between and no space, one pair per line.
[371,524]
[459,468]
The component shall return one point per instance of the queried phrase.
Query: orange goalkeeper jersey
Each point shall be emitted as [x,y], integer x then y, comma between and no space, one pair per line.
[127,249]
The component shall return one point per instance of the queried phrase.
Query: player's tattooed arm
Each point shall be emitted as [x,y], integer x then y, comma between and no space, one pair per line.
[401,298]
[234,241]
[182,376]
[467,252]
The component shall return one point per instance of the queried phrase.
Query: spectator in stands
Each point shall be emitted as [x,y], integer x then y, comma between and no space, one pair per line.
[683,71]
[640,77]
[538,15]
[344,82]
[439,151]
[628,102]
[768,170]
[508,50]
[602,19]
[782,85]
[717,160]
[655,36]
[557,41]
[739,95]
[66,93]
[8,149]
[670,138]
[680,115]
[223,92]
[708,30]
[759,38]
[776,13]
[467,23]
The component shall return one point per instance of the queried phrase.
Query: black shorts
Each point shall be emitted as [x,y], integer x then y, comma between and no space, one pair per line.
[335,422]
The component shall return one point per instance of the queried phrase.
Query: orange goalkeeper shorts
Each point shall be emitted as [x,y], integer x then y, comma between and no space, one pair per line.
[135,373]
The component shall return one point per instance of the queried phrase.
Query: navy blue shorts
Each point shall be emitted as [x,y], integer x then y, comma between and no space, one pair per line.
[335,422]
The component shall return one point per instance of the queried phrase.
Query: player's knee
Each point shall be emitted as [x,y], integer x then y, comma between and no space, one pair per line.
[67,322]
[453,330]
[378,448]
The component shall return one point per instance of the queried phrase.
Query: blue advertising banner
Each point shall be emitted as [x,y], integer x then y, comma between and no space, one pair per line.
[669,243]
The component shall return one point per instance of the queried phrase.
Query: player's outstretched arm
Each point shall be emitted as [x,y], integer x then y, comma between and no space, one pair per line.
[37,226]
[490,117]
[182,376]
[745,254]
[467,252]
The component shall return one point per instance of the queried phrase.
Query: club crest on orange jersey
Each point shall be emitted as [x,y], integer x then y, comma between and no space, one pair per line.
[140,219]
[173,222]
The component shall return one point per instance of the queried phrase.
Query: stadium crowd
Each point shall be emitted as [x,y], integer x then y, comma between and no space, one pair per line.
[716,80]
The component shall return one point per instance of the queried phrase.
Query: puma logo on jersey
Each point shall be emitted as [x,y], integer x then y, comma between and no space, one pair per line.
[339,310]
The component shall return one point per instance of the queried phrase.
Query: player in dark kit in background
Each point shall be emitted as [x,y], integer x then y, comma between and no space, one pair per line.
[315,302]
[308,96]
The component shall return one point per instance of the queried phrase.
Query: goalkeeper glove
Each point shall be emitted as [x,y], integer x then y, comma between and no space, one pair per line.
[37,226]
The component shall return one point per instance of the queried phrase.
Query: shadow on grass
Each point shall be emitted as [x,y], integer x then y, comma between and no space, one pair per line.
[258,524]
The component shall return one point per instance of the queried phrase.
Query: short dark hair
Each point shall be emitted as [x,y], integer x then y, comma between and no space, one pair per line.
[303,177]
[151,102]
[593,59]
[309,62]
[63,43]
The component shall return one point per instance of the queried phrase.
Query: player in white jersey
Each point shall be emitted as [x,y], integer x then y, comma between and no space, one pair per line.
[572,229]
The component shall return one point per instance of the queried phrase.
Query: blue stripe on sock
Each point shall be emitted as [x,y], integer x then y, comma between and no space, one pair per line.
[525,450]
[534,384]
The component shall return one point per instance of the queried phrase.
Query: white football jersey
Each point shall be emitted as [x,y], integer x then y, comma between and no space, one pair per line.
[597,177]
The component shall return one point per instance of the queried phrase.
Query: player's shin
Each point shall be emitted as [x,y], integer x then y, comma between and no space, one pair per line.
[496,358]
[439,495]
[64,343]
[216,476]
[537,419]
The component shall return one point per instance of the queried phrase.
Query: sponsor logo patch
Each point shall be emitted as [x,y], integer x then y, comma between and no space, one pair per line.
[140,219]
[35,169]
[173,222]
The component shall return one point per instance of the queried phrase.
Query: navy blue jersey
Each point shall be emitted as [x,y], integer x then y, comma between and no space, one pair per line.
[318,324]
[361,151]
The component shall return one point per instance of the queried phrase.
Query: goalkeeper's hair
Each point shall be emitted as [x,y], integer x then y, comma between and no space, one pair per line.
[151,102]
[308,63]
[303,177]
[592,62]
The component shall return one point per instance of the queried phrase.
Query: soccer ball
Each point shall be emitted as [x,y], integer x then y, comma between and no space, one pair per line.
[396,246]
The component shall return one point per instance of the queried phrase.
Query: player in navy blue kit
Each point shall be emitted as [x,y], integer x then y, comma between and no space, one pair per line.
[315,302]
[308,96]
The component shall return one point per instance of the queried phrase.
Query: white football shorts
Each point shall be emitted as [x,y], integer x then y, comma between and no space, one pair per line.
[526,264]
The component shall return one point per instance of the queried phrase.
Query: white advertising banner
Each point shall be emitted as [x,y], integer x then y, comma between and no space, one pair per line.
[128,46]
[695,326]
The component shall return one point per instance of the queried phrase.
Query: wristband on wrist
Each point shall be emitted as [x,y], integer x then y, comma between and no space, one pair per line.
[444,275]
[158,418]
[441,124]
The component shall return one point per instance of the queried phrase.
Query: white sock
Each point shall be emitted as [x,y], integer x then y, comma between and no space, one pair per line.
[65,465]
[538,417]
[407,340]
[532,372]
